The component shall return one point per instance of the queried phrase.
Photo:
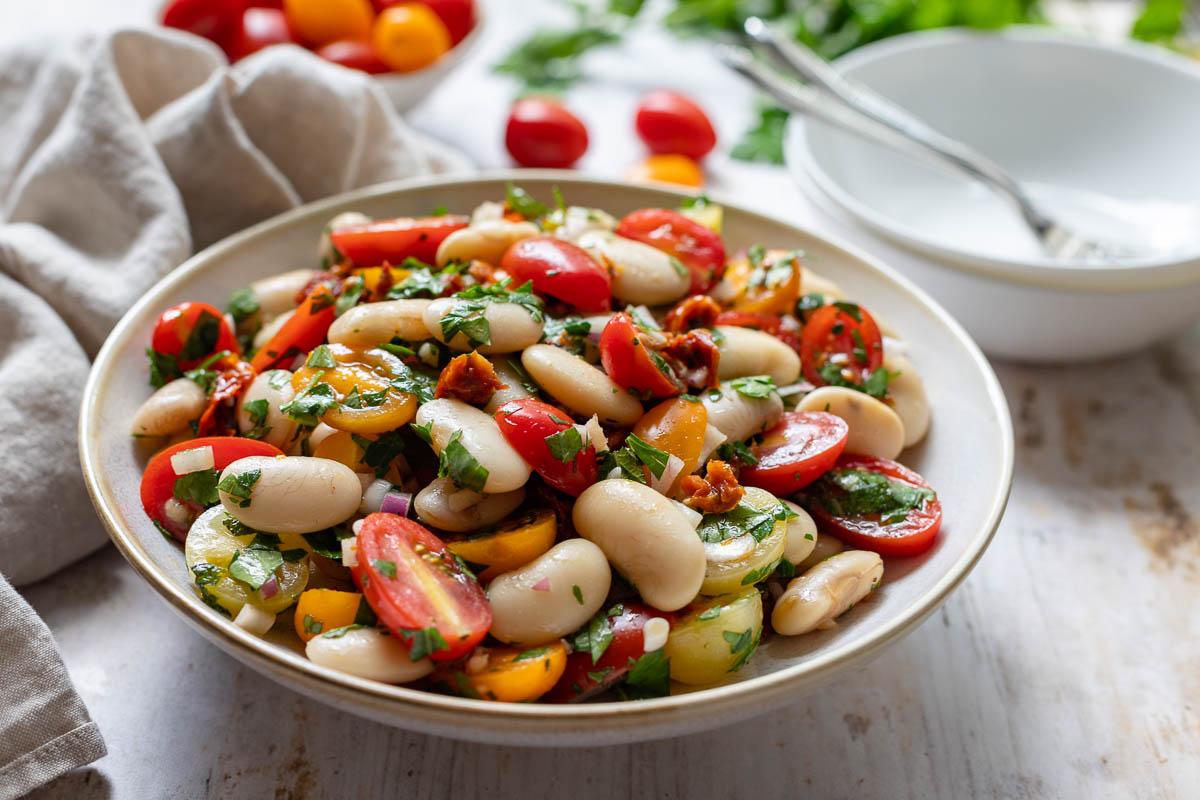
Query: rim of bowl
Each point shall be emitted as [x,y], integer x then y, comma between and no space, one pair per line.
[449,60]
[455,712]
[1149,273]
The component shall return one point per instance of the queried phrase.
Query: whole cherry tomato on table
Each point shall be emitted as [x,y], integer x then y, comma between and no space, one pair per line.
[409,36]
[841,344]
[668,122]
[798,450]
[550,443]
[191,332]
[541,133]
[318,22]
[259,28]
[667,168]
[560,269]
[699,248]
[393,240]
[354,54]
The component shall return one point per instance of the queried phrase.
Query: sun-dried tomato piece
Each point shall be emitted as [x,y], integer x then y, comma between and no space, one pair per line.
[470,378]
[694,357]
[717,492]
[697,311]
[218,417]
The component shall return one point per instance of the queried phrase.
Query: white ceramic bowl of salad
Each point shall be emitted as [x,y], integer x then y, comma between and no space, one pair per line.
[1103,134]
[967,455]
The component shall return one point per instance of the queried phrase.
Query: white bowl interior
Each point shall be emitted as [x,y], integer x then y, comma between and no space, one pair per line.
[1057,111]
[967,457]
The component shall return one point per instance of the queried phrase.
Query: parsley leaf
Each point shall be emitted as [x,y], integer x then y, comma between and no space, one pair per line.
[524,377]
[743,643]
[526,655]
[565,444]
[423,641]
[466,316]
[255,565]
[199,487]
[321,358]
[338,633]
[411,380]
[309,406]
[349,297]
[648,454]
[737,451]
[763,142]
[649,676]
[422,281]
[384,567]
[311,625]
[328,542]
[523,203]
[595,637]
[457,462]
[575,590]
[257,409]
[379,454]
[740,520]
[164,368]
[711,613]
[851,493]
[240,485]
[242,305]
[202,339]
[757,386]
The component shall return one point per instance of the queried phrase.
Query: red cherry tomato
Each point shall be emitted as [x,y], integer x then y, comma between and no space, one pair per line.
[561,270]
[583,677]
[910,536]
[417,588]
[259,28]
[797,451]
[158,481]
[191,332]
[355,54]
[393,240]
[840,341]
[212,19]
[457,15]
[541,133]
[628,360]
[699,248]
[528,424]
[668,122]
[302,332]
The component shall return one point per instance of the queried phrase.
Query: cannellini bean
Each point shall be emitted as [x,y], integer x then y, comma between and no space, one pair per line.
[169,409]
[274,386]
[583,388]
[579,220]
[326,253]
[813,283]
[438,505]
[503,365]
[828,590]
[875,429]
[510,326]
[645,538]
[369,653]
[907,393]
[801,535]
[745,351]
[370,324]
[739,417]
[485,241]
[826,546]
[481,436]
[272,327]
[292,494]
[277,294]
[550,596]
[640,273]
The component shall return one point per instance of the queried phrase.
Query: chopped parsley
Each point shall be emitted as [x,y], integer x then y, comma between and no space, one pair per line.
[711,613]
[199,487]
[349,297]
[742,645]
[757,386]
[522,202]
[851,309]
[359,401]
[338,633]
[422,642]
[524,377]
[467,315]
[760,574]
[309,406]
[422,280]
[565,444]
[737,451]
[257,410]
[575,590]
[809,302]
[202,339]
[311,625]
[740,520]
[648,454]
[786,569]
[365,615]
[456,462]
[569,333]
[240,485]
[255,565]
[385,567]
[649,676]
[596,636]
[242,305]
[379,454]
[328,542]
[321,358]
[526,655]
[850,493]
[415,381]
[164,368]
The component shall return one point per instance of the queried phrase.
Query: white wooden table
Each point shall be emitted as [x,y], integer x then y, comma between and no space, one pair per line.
[1067,665]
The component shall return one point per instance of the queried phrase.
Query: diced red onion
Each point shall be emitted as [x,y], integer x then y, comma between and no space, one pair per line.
[382,496]
[542,586]
[396,502]
[270,588]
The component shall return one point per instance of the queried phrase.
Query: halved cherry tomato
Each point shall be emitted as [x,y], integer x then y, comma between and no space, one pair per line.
[628,360]
[354,54]
[318,22]
[506,674]
[910,536]
[567,461]
[323,610]
[560,269]
[797,451]
[303,331]
[361,383]
[668,122]
[158,481]
[510,544]
[212,19]
[583,677]
[699,248]
[191,332]
[417,588]
[258,28]
[409,36]
[675,426]
[840,341]
[393,240]
[765,282]
[541,133]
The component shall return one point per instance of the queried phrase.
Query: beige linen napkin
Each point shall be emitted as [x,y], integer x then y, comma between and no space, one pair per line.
[119,156]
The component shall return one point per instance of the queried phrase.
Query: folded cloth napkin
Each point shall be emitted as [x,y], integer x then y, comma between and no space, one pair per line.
[122,154]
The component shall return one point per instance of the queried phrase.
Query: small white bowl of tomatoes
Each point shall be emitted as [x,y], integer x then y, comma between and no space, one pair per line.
[408,47]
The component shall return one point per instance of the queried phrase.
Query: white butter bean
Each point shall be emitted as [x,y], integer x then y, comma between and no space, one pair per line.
[274,386]
[438,504]
[539,602]
[583,388]
[907,393]
[739,417]
[745,351]
[510,326]
[169,409]
[645,538]
[579,220]
[271,327]
[875,429]
[828,590]
[826,546]
[485,241]
[640,273]
[813,283]
[369,653]
[503,365]
[801,535]
[277,294]
[370,324]
[292,494]
[326,253]
[481,436]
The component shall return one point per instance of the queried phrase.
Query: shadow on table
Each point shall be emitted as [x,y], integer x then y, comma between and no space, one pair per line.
[85,783]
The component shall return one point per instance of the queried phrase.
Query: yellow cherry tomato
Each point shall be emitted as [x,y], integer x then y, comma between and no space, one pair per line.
[667,168]
[510,544]
[372,275]
[319,22]
[409,36]
[323,610]
[714,637]
[769,284]
[676,426]
[507,674]
[361,383]
[343,448]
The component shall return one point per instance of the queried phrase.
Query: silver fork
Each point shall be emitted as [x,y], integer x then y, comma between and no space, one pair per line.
[860,110]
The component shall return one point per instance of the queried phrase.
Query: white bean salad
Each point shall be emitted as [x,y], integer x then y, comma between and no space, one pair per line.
[537,452]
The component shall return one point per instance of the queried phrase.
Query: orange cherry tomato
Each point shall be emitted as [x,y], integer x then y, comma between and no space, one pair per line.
[409,37]
[510,544]
[667,168]
[766,282]
[507,674]
[676,426]
[361,382]
[318,22]
[323,610]
[344,448]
